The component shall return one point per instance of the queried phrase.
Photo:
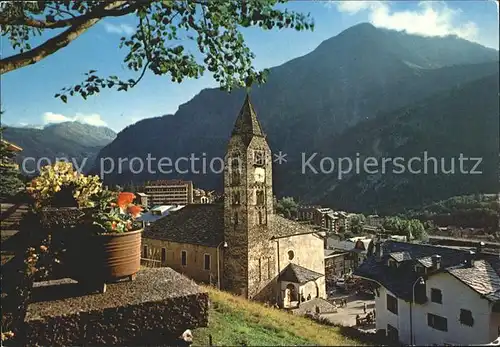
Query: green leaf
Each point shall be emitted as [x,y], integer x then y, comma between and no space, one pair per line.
[64,98]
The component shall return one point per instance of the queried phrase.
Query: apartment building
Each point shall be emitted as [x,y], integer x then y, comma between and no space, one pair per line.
[430,295]
[306,213]
[169,192]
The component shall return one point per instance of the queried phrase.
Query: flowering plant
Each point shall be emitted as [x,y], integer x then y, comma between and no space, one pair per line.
[60,185]
[119,216]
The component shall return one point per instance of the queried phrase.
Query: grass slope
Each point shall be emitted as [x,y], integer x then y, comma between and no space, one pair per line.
[235,321]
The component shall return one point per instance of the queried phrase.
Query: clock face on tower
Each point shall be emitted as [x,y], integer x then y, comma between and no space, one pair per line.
[260,174]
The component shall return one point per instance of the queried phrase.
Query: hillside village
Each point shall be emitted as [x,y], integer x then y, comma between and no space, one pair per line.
[239,225]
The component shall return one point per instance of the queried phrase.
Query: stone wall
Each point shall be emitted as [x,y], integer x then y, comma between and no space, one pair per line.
[152,310]
[263,268]
[235,277]
[307,251]
[250,258]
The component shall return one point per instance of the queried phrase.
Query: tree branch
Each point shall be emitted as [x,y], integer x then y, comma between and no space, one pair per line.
[97,13]
[56,43]
[60,10]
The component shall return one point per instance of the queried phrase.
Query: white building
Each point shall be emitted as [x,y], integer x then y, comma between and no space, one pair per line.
[431,295]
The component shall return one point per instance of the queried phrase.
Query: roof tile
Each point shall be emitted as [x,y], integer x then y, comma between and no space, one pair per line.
[298,274]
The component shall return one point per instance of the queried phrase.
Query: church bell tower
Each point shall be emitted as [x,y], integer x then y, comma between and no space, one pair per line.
[248,206]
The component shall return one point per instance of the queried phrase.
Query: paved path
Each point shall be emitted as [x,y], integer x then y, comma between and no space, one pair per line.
[347,315]
[310,306]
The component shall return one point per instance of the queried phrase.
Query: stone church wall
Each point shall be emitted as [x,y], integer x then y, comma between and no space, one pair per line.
[307,251]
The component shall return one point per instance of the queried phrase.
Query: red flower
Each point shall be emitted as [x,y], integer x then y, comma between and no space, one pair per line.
[113,225]
[125,199]
[134,210]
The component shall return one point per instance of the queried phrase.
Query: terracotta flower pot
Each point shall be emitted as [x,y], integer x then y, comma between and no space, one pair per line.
[105,257]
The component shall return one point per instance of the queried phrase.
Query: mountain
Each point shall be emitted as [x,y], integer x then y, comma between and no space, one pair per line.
[309,101]
[462,121]
[70,140]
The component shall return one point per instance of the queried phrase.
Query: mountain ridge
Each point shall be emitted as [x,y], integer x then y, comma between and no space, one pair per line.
[70,140]
[470,109]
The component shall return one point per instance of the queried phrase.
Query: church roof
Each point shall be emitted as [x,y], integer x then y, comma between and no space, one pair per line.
[197,224]
[203,224]
[283,227]
[298,274]
[247,125]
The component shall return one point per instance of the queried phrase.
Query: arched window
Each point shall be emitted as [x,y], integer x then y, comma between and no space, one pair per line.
[291,255]
[236,198]
[235,170]
[260,217]
[236,218]
[260,197]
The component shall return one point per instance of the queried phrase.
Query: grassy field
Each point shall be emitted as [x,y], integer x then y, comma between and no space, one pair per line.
[234,321]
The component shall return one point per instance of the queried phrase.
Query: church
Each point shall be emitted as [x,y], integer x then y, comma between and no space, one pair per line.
[241,245]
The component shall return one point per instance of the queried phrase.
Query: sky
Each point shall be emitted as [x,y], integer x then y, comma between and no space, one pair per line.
[27,94]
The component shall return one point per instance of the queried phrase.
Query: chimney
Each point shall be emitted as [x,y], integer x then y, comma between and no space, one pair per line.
[436,261]
[480,247]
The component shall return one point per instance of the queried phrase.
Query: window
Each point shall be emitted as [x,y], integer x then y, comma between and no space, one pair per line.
[183,258]
[437,322]
[163,255]
[145,251]
[236,198]
[236,218]
[291,255]
[206,263]
[260,216]
[392,304]
[436,296]
[260,269]
[235,171]
[269,268]
[259,197]
[466,317]
[259,158]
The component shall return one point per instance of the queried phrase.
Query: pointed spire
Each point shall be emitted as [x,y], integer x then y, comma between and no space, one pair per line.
[247,124]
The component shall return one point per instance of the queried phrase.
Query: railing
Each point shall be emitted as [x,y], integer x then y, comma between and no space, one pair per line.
[150,262]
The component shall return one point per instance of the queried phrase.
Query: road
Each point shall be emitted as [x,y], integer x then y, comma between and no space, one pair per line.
[347,315]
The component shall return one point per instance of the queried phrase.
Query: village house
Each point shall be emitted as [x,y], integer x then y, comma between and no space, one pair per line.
[332,223]
[319,216]
[14,148]
[374,221]
[338,263]
[362,248]
[240,245]
[430,295]
[343,257]
[201,196]
[142,199]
